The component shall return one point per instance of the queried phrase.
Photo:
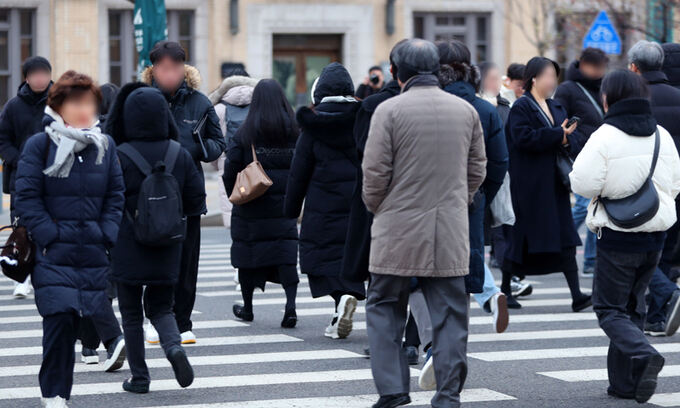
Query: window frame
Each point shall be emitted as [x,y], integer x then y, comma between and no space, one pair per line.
[430,29]
[14,39]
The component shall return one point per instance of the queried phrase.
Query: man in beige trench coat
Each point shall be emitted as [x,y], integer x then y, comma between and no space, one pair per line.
[424,161]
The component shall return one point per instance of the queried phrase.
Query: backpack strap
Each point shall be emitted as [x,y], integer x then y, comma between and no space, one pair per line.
[591,99]
[171,155]
[136,157]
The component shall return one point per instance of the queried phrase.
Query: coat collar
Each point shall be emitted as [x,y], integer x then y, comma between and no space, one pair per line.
[553,105]
[462,89]
[655,77]
[632,116]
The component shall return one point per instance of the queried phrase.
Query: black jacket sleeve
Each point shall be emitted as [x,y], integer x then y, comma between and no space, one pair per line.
[301,170]
[8,151]
[213,139]
[233,164]
[496,156]
[193,191]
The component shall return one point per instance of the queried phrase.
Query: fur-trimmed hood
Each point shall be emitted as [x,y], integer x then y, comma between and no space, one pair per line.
[236,88]
[191,76]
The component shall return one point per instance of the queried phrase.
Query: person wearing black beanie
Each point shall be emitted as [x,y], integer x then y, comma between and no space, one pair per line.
[36,63]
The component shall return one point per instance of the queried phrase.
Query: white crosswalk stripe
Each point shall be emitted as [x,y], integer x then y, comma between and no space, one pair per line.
[600,374]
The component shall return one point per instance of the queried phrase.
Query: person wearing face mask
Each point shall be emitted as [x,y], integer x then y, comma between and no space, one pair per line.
[69,196]
[543,239]
[579,95]
[201,135]
[20,119]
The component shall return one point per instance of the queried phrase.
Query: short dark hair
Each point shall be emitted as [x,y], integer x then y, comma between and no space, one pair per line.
[236,71]
[535,67]
[374,68]
[623,84]
[170,49]
[71,84]
[394,56]
[515,71]
[417,57]
[36,63]
[594,56]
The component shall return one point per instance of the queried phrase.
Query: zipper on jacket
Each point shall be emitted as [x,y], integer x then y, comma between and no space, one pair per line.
[80,158]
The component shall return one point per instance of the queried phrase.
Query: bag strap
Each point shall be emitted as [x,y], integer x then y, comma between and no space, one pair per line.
[540,110]
[171,155]
[655,157]
[252,148]
[592,100]
[136,158]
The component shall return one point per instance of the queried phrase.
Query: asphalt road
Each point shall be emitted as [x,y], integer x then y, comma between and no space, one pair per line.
[546,358]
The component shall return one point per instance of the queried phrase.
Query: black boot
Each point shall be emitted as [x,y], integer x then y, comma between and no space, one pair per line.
[240,312]
[581,303]
[392,401]
[137,388]
[289,319]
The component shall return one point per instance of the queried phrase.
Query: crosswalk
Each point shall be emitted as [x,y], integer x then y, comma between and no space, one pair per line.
[259,365]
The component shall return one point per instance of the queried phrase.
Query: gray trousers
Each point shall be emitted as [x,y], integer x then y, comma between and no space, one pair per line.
[386,313]
[421,315]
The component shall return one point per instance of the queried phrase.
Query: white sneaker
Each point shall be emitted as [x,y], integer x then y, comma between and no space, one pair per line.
[54,402]
[188,337]
[332,329]
[499,309]
[426,379]
[22,290]
[346,308]
[151,335]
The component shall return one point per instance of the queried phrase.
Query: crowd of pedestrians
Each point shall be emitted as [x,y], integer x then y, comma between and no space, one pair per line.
[397,187]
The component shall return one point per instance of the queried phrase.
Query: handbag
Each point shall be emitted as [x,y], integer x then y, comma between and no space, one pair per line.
[251,182]
[635,210]
[17,257]
[564,164]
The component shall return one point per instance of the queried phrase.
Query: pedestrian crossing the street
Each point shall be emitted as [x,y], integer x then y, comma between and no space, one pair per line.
[261,365]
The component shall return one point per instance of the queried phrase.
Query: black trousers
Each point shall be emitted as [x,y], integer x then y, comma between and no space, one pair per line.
[59,338]
[156,302]
[185,290]
[103,325]
[619,302]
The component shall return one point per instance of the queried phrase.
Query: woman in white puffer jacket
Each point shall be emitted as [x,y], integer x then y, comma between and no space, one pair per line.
[614,164]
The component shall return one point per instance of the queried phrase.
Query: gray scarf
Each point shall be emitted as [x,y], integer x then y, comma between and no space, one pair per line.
[70,141]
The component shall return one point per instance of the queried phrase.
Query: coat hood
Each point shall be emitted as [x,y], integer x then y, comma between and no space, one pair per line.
[191,76]
[462,89]
[671,63]
[632,116]
[331,123]
[27,95]
[574,74]
[333,81]
[232,83]
[131,113]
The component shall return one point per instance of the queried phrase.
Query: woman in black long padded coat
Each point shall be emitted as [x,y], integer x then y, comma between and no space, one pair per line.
[322,176]
[543,239]
[264,240]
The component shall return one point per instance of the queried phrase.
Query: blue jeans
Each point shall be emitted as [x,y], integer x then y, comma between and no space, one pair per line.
[660,291]
[489,288]
[579,213]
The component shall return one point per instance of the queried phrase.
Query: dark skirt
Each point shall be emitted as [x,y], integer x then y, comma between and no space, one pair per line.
[285,275]
[542,263]
[333,285]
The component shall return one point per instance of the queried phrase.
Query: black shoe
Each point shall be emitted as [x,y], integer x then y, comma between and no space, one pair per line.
[673,314]
[289,319]
[614,393]
[89,356]
[115,355]
[367,352]
[180,365]
[512,302]
[646,385]
[582,303]
[137,388]
[240,312]
[656,329]
[392,401]
[412,355]
[520,288]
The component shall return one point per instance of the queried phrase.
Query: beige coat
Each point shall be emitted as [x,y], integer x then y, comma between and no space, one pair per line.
[424,161]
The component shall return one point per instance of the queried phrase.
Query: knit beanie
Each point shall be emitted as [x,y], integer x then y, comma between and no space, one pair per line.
[35,64]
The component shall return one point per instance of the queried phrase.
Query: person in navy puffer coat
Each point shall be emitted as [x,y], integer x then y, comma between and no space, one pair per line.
[323,174]
[69,196]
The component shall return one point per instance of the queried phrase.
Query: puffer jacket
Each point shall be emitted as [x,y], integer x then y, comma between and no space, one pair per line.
[73,221]
[615,162]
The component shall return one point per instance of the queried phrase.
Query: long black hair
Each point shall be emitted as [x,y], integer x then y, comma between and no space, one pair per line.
[535,67]
[270,120]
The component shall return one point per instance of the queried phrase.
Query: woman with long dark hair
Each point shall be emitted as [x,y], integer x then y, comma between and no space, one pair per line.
[264,240]
[543,239]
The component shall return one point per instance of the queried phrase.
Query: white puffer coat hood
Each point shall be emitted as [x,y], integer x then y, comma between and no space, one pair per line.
[616,160]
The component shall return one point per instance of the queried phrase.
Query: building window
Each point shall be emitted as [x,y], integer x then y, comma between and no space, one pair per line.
[122,52]
[181,30]
[17,42]
[473,29]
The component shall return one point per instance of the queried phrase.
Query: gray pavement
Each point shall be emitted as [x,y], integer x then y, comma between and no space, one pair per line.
[259,364]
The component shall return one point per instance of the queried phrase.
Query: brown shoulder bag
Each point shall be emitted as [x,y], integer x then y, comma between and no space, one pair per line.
[251,182]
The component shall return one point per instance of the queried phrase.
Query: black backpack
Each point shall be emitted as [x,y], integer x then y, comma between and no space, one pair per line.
[159,220]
